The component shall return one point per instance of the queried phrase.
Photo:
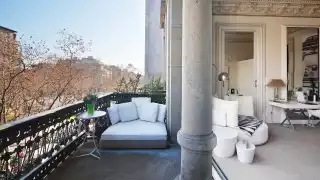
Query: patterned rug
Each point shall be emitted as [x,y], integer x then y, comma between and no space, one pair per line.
[122,165]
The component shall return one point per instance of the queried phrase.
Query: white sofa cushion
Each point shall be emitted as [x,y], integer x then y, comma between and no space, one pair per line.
[219,114]
[127,111]
[219,117]
[162,113]
[139,101]
[136,130]
[231,108]
[148,112]
[245,106]
[113,114]
[225,112]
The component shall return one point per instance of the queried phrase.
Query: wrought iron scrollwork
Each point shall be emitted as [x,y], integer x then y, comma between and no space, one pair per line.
[34,146]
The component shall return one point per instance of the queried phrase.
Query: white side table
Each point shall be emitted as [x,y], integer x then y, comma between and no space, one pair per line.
[89,120]
[245,152]
[226,141]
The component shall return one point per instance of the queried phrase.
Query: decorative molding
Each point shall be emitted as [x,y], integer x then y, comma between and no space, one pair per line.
[281,8]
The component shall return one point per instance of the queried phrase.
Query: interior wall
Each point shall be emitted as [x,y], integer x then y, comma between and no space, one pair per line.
[275,50]
[235,52]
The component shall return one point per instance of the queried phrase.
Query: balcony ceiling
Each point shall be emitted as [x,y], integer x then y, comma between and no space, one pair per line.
[282,8]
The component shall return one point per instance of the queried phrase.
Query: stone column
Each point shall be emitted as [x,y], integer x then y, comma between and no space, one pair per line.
[174,59]
[195,135]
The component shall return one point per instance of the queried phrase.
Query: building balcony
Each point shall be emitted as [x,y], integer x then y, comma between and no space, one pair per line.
[46,145]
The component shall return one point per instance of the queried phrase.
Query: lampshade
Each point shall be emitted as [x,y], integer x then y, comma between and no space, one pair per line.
[276,83]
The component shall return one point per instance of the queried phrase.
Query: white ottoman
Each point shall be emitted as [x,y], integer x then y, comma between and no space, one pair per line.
[226,141]
[259,137]
[245,152]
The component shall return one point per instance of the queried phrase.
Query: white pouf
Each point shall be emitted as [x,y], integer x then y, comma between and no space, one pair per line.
[245,153]
[259,137]
[226,141]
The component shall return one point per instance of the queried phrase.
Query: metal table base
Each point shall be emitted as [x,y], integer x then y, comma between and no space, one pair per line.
[96,149]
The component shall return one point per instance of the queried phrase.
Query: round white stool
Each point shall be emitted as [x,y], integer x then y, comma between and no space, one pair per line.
[226,142]
[245,152]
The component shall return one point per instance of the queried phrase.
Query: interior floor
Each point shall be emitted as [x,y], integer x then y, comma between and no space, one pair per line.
[288,155]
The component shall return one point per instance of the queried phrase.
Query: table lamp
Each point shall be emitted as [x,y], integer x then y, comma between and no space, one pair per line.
[276,83]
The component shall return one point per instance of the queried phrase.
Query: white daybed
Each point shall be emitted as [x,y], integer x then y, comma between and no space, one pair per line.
[137,124]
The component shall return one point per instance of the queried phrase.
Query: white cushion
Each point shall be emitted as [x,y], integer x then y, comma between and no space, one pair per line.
[162,113]
[113,114]
[231,108]
[245,106]
[148,112]
[127,111]
[219,114]
[219,117]
[223,108]
[136,130]
[138,101]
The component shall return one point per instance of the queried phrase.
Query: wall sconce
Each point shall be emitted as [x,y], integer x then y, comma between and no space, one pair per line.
[223,76]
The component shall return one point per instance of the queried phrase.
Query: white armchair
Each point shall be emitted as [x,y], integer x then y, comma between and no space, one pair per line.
[245,107]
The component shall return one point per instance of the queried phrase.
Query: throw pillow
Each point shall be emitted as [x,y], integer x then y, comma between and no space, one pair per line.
[219,117]
[141,100]
[127,111]
[113,114]
[162,113]
[219,114]
[148,112]
[138,101]
[231,108]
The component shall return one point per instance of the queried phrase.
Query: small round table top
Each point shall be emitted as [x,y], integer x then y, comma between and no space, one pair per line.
[96,114]
[225,133]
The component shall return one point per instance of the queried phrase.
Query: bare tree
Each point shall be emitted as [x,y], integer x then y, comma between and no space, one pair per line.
[72,47]
[15,58]
[34,79]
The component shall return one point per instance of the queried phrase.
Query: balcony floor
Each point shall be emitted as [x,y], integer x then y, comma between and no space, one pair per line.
[122,164]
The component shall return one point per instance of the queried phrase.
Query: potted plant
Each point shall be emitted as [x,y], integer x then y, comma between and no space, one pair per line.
[90,100]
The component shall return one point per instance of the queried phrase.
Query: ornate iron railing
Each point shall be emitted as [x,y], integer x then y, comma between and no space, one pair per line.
[32,147]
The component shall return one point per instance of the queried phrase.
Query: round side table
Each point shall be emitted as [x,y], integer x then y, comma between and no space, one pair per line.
[90,121]
[226,142]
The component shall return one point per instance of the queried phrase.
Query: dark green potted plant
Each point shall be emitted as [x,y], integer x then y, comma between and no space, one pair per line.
[90,100]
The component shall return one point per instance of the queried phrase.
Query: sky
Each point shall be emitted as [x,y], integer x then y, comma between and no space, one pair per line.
[115,27]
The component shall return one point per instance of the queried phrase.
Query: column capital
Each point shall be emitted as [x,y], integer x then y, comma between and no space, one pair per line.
[196,143]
